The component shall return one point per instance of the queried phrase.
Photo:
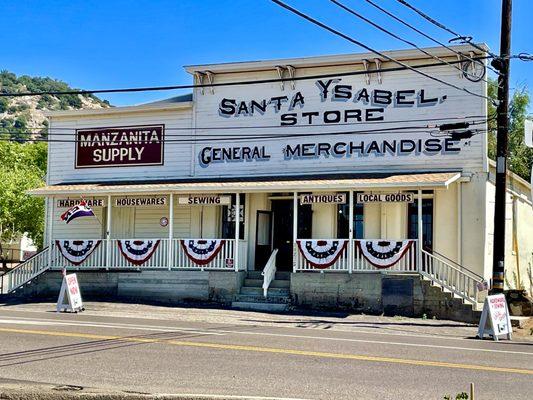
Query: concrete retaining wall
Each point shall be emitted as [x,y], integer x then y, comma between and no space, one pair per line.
[159,286]
[378,293]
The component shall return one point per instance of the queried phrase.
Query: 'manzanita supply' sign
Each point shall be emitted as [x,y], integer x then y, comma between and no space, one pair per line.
[385,197]
[119,146]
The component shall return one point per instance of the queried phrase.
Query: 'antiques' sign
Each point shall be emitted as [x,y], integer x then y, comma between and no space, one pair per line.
[119,146]
[145,201]
[330,198]
[385,197]
[202,200]
[68,203]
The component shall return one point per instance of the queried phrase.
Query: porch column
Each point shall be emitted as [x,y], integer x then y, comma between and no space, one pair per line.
[50,222]
[420,231]
[108,233]
[237,229]
[294,229]
[170,231]
[350,233]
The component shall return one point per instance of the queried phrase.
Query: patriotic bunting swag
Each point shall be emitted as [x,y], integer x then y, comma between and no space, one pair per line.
[383,253]
[202,251]
[322,253]
[137,251]
[77,251]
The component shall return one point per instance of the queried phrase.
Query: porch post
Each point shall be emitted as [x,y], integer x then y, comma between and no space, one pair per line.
[237,229]
[170,231]
[294,229]
[108,233]
[50,222]
[350,233]
[420,231]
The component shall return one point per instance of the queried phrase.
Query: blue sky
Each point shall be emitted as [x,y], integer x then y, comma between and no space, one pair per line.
[118,43]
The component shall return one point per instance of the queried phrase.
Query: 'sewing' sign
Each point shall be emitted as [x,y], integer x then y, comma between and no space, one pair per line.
[119,146]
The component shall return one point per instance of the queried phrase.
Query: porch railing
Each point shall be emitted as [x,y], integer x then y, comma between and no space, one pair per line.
[24,272]
[269,272]
[100,259]
[352,260]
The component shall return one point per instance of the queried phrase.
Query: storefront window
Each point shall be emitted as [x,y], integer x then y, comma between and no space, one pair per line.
[427,222]
[228,218]
[343,216]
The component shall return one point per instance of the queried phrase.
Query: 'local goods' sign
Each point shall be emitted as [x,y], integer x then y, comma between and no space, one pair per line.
[119,146]
[385,197]
[200,200]
[329,198]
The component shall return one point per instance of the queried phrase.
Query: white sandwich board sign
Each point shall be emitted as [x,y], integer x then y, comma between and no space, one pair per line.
[69,296]
[495,319]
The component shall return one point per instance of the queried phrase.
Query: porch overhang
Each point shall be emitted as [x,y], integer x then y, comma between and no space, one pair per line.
[404,181]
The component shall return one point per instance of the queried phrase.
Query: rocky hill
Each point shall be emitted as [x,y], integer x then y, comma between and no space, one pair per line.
[21,115]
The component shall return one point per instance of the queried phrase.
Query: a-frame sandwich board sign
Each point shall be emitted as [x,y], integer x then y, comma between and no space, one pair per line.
[69,296]
[495,319]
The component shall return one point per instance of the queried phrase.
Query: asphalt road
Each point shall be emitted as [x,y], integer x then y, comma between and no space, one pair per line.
[172,356]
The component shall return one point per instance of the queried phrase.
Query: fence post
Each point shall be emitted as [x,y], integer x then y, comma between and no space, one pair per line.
[237,230]
[294,230]
[420,231]
[108,234]
[170,248]
[350,232]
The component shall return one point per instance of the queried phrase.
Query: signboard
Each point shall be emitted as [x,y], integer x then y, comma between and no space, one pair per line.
[528,131]
[69,295]
[204,200]
[495,319]
[119,146]
[68,203]
[385,197]
[144,201]
[328,198]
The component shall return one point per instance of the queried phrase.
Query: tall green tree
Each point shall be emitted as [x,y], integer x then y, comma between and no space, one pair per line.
[520,156]
[22,167]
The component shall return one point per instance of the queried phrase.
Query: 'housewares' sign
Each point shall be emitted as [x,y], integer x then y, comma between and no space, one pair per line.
[145,201]
[385,197]
[119,146]
[330,198]
[200,200]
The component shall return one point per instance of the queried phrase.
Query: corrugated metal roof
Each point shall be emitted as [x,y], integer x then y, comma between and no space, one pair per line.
[420,180]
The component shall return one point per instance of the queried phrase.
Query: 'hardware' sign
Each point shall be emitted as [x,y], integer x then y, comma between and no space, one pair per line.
[385,197]
[119,146]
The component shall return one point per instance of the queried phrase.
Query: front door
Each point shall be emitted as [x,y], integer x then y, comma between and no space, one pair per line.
[263,238]
[282,235]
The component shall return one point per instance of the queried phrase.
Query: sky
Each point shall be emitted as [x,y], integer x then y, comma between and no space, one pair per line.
[118,43]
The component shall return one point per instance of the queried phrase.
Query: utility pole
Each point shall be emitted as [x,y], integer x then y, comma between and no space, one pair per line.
[502,64]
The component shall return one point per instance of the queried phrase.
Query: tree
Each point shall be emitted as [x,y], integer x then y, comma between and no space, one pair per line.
[520,156]
[23,167]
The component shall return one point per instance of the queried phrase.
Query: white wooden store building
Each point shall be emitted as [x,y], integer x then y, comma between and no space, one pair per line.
[336,173]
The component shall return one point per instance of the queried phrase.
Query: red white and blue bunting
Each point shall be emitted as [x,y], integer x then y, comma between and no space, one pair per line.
[77,251]
[137,251]
[320,253]
[383,253]
[202,251]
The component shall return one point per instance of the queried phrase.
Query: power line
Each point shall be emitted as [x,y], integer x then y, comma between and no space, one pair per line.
[384,131]
[352,40]
[412,44]
[239,127]
[236,83]
[467,39]
[426,35]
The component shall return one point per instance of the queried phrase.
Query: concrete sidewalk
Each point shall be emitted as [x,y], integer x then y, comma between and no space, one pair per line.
[297,319]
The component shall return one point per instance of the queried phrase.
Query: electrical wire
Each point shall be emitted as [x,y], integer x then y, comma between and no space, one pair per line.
[208,128]
[467,39]
[392,34]
[428,36]
[352,40]
[384,131]
[235,83]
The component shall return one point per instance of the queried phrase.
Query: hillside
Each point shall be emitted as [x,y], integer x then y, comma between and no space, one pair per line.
[19,115]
